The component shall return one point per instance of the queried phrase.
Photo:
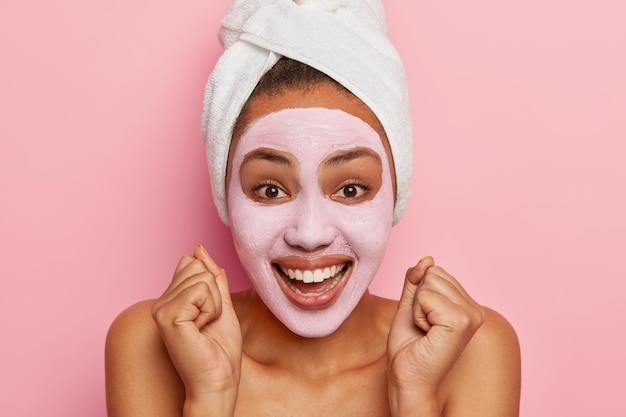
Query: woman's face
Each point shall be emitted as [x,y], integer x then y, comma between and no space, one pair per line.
[310,197]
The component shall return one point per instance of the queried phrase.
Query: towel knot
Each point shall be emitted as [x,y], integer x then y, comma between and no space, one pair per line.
[350,12]
[368,11]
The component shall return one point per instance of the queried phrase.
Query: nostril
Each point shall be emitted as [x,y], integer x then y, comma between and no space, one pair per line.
[310,237]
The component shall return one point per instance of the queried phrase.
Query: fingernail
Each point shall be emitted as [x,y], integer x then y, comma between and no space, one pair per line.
[201,247]
[426,257]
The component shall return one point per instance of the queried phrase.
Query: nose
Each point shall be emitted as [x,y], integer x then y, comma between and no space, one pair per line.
[312,228]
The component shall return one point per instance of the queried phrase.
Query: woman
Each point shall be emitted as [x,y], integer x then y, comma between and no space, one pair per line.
[310,179]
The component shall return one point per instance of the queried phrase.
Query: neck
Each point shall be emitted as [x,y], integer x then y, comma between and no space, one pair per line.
[359,341]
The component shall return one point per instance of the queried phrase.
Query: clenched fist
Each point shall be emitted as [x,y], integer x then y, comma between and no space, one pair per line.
[197,322]
[435,320]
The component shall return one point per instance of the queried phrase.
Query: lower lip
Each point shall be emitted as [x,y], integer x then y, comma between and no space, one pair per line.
[316,301]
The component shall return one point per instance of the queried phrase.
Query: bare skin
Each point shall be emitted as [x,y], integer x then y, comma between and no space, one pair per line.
[197,350]
[297,377]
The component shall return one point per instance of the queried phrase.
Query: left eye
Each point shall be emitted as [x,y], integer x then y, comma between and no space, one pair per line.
[351,191]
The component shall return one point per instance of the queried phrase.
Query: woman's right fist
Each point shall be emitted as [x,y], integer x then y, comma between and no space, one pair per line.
[199,327]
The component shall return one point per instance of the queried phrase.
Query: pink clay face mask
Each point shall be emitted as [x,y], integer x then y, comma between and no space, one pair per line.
[311,201]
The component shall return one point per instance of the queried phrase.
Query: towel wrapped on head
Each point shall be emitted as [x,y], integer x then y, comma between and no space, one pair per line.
[345,39]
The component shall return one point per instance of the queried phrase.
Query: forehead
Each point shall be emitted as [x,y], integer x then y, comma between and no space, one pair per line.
[291,127]
[308,134]
[322,95]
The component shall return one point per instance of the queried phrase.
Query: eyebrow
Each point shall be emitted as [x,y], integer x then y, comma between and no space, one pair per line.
[347,156]
[266,155]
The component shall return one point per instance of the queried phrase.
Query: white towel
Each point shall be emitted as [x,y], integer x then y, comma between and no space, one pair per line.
[345,39]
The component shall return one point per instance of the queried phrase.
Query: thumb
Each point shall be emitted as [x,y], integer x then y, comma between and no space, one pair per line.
[414,276]
[220,275]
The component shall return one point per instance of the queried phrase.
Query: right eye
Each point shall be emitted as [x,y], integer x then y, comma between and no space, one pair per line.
[270,192]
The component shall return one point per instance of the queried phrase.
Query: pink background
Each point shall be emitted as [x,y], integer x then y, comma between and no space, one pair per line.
[520,120]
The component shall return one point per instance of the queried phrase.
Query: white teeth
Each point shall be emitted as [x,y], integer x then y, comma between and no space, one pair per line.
[310,276]
[318,275]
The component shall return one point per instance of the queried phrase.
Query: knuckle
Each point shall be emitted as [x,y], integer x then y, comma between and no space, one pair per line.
[160,315]
[205,278]
[184,261]
[197,263]
[480,316]
[460,320]
[187,258]
[198,281]
[464,320]
[202,286]
[435,270]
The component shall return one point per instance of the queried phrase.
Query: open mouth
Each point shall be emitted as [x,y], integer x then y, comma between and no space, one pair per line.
[304,281]
[315,286]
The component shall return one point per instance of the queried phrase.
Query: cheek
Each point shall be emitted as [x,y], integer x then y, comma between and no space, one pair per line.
[367,226]
[255,227]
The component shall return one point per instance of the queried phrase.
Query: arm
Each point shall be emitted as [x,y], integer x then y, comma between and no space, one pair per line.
[140,377]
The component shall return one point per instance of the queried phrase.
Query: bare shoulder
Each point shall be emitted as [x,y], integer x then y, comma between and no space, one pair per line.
[133,330]
[134,317]
[496,335]
[140,378]
[485,381]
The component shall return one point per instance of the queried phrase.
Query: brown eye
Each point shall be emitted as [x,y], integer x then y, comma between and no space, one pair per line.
[270,192]
[351,191]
